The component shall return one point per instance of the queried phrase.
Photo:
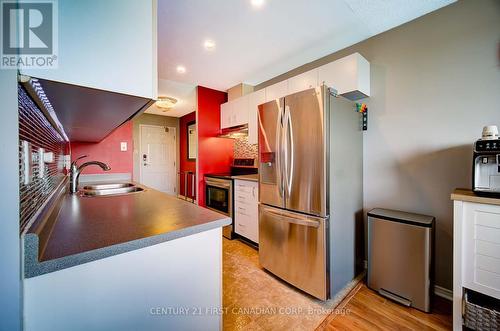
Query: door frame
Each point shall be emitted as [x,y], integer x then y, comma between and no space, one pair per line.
[141,126]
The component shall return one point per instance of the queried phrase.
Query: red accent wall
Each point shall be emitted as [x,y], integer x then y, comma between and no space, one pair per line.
[214,154]
[185,164]
[108,151]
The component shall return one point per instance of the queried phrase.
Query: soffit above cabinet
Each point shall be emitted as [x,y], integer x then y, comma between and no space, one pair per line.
[86,114]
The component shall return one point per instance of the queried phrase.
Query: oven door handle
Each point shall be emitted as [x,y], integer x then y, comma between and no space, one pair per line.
[219,184]
[228,186]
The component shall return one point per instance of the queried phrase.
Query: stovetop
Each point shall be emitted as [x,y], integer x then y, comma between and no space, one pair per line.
[223,175]
[239,167]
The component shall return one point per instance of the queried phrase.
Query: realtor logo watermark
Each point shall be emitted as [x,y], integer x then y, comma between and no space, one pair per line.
[29,34]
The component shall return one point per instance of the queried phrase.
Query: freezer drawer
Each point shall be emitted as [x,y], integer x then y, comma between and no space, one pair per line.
[294,247]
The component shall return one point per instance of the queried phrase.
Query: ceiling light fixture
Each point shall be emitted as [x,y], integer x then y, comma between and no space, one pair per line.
[209,45]
[165,103]
[257,3]
[181,69]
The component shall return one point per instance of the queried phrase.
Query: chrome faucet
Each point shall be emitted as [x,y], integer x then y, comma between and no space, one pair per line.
[76,170]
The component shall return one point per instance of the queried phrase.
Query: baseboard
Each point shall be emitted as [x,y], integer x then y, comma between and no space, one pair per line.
[443,292]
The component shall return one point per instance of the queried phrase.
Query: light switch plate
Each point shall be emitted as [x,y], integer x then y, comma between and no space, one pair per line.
[41,163]
[123,146]
[27,162]
[67,161]
[48,157]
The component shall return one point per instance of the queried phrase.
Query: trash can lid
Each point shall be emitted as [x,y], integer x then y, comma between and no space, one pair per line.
[401,216]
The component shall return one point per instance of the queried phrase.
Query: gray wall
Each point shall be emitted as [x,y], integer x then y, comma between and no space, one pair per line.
[435,83]
[150,119]
[10,277]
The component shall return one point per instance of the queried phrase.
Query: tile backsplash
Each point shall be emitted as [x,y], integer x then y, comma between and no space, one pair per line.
[35,129]
[243,149]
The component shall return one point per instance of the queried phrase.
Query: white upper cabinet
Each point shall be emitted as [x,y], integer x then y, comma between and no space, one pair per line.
[240,111]
[226,113]
[234,112]
[303,81]
[99,47]
[254,100]
[277,90]
[350,76]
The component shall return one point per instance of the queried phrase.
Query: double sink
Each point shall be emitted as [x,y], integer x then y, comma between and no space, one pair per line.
[109,189]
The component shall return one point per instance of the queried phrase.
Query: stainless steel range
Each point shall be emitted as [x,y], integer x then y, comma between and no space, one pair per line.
[219,190]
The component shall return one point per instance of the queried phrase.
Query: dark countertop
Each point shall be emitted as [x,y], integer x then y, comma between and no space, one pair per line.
[251,177]
[84,229]
[220,175]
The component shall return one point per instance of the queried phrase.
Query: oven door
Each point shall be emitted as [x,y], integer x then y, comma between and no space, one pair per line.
[219,197]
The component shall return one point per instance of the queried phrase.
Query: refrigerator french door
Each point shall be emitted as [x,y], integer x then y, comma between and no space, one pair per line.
[293,209]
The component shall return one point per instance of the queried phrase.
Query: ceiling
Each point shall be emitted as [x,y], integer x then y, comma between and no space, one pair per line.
[257,44]
[184,93]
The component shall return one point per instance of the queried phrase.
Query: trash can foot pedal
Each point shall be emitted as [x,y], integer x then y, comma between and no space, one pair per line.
[394,297]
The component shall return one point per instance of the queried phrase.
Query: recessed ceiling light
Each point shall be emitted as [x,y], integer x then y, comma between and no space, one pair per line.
[181,69]
[209,45]
[257,3]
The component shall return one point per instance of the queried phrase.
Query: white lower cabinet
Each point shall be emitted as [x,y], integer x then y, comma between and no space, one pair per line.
[246,215]
[481,248]
[476,251]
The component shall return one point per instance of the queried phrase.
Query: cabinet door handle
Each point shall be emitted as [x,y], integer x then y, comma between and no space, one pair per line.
[253,191]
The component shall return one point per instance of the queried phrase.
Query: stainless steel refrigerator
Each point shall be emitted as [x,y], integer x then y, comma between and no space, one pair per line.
[310,189]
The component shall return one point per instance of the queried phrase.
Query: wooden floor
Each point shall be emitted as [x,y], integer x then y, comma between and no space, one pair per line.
[363,309]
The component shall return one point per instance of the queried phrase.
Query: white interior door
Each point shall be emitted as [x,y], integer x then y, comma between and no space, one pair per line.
[158,158]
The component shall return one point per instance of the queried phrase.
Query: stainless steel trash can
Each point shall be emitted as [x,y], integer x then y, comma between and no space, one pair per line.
[400,256]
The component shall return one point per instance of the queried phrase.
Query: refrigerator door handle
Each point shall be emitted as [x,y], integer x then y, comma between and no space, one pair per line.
[279,147]
[295,220]
[289,148]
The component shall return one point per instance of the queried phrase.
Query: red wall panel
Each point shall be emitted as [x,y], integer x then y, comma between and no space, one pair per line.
[108,151]
[185,164]
[214,154]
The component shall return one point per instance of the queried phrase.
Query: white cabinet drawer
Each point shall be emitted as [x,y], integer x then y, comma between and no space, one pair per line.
[247,192]
[245,210]
[246,188]
[241,228]
[247,227]
[246,198]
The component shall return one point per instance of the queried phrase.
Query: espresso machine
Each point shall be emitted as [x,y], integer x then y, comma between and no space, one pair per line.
[486,164]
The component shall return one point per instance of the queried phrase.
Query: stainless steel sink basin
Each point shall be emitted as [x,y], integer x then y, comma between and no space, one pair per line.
[110,189]
[107,186]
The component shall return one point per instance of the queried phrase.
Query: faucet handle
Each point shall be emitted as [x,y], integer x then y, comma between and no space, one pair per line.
[78,158]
